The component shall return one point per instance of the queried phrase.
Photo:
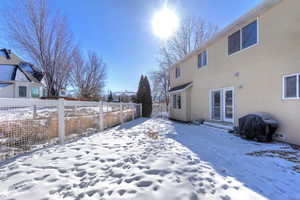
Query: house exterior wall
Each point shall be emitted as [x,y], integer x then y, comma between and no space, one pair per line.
[255,73]
[7,92]
[29,86]
[182,114]
[12,91]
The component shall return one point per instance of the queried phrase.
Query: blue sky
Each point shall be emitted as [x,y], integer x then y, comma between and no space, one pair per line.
[120,30]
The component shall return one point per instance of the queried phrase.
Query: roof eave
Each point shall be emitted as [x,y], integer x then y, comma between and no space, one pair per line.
[183,89]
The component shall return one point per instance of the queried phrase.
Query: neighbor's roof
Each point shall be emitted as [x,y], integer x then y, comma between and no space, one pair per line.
[7,58]
[255,12]
[181,87]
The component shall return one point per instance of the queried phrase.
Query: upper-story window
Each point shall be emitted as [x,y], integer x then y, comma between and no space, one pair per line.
[177,72]
[202,59]
[243,38]
[291,86]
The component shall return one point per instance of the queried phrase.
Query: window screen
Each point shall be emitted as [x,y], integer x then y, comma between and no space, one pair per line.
[177,72]
[234,42]
[22,91]
[179,101]
[299,85]
[249,35]
[202,59]
[290,87]
[35,92]
[174,101]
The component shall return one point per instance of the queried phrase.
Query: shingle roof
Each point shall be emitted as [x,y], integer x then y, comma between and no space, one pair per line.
[180,87]
[16,63]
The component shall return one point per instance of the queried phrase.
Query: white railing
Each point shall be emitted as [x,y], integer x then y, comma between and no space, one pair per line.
[27,124]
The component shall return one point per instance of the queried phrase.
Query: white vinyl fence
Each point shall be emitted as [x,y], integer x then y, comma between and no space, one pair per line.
[29,124]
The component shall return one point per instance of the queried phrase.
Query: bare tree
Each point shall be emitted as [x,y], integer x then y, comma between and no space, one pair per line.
[88,77]
[45,38]
[192,33]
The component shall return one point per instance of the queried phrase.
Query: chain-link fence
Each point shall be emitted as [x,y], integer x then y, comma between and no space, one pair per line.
[29,124]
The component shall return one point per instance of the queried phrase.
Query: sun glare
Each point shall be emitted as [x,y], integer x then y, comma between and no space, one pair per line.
[164,23]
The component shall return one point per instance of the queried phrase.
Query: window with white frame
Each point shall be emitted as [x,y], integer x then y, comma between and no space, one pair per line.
[202,59]
[243,38]
[177,101]
[177,72]
[291,86]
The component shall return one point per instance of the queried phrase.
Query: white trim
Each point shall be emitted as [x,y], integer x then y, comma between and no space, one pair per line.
[297,87]
[221,93]
[222,107]
[224,104]
[241,38]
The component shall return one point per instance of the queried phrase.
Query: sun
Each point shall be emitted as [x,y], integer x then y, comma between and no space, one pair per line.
[164,23]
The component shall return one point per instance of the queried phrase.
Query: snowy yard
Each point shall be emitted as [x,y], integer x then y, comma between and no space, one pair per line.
[185,162]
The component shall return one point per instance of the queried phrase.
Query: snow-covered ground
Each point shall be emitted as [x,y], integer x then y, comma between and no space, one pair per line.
[185,162]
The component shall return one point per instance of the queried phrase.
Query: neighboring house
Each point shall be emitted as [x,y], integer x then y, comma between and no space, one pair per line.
[18,79]
[125,96]
[251,66]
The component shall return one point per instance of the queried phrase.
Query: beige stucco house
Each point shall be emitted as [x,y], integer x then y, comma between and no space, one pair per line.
[251,66]
[18,79]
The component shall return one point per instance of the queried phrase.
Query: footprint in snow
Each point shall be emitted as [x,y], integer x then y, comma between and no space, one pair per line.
[80,164]
[121,192]
[52,180]
[225,187]
[144,183]
[226,197]
[194,197]
[40,178]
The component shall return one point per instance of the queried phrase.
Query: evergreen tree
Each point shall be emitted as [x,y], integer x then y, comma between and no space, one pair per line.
[144,96]
[139,94]
[110,97]
[147,98]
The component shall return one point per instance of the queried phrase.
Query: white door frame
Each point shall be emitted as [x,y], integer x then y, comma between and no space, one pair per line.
[222,109]
[224,105]
[211,103]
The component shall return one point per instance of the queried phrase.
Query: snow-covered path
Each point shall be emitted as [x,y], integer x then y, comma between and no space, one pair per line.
[185,162]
